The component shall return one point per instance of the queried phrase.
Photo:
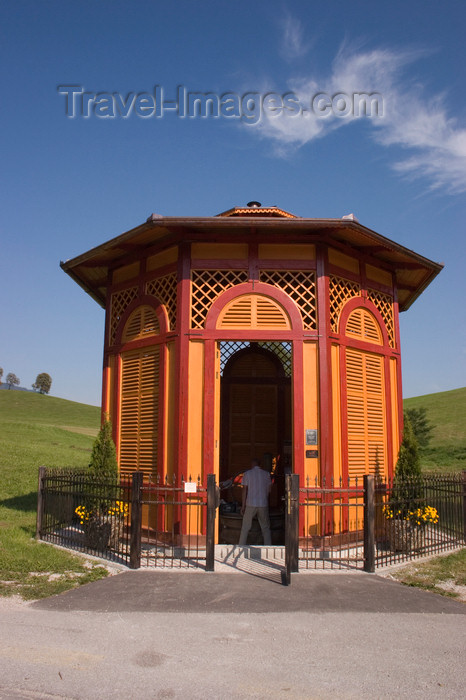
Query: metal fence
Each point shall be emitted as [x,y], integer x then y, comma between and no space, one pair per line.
[331,524]
[81,512]
[131,521]
[420,516]
[173,522]
[356,524]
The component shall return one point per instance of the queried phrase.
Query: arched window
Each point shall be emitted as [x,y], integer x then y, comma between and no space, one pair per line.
[254,311]
[140,394]
[365,397]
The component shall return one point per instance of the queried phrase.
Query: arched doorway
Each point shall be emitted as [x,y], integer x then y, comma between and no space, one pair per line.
[255,410]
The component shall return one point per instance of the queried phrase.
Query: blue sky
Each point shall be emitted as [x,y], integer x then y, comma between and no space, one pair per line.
[68,184]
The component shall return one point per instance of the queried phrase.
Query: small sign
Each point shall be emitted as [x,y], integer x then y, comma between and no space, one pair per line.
[190,487]
[311,437]
[312,453]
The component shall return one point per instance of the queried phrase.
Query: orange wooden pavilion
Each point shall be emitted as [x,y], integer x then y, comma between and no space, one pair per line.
[254,333]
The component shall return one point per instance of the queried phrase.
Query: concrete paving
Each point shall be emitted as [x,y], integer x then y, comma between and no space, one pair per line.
[189,634]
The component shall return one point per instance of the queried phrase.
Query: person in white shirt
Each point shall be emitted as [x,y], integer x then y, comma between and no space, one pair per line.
[256,490]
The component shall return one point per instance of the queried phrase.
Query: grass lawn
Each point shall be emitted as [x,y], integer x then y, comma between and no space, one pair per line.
[38,430]
[445,575]
[446,411]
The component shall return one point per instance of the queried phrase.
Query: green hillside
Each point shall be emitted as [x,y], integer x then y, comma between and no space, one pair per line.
[38,430]
[446,411]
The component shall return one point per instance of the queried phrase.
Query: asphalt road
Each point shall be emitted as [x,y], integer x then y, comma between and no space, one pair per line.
[150,634]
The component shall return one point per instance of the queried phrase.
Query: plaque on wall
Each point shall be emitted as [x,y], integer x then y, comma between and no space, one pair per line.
[312,453]
[311,437]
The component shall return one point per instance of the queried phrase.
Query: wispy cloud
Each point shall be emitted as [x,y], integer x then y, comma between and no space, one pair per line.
[435,143]
[293,44]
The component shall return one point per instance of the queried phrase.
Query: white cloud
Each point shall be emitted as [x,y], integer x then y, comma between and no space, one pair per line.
[411,120]
[293,44]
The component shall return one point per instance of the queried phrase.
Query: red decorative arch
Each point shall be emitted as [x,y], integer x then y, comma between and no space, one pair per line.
[356,303]
[266,290]
[143,300]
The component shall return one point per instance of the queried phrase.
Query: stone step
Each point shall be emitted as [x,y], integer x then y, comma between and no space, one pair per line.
[227,552]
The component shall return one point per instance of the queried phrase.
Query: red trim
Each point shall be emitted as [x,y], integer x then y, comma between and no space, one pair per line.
[183,305]
[399,373]
[255,288]
[298,412]
[116,404]
[209,407]
[356,303]
[343,414]
[142,300]
[253,262]
[325,367]
[161,448]
[248,335]
[389,415]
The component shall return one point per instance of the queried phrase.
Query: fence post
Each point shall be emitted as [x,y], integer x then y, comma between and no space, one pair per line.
[464,505]
[40,502]
[210,524]
[136,521]
[369,523]
[291,526]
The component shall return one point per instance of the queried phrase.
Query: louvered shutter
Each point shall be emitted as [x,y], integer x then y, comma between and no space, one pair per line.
[362,325]
[142,323]
[365,413]
[139,415]
[254,311]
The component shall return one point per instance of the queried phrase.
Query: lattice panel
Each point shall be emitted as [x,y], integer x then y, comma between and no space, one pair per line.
[340,291]
[301,287]
[164,288]
[281,349]
[120,302]
[384,304]
[207,285]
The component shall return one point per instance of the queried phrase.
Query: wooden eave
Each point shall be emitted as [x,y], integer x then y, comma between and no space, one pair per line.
[413,272]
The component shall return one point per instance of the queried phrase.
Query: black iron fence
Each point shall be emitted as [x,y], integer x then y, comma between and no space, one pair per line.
[174,522]
[81,512]
[331,524]
[357,524]
[132,521]
[418,517]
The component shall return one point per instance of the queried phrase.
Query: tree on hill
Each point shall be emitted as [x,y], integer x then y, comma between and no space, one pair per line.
[1,374]
[43,383]
[420,424]
[103,459]
[12,380]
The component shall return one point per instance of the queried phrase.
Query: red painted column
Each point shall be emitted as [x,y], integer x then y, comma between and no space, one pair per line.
[209,408]
[182,359]
[325,366]
[298,410]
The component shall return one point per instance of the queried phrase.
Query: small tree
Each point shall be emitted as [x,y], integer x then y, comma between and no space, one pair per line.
[420,424]
[43,383]
[407,488]
[12,380]
[103,462]
[1,374]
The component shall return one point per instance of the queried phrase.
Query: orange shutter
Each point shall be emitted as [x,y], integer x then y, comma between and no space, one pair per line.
[365,413]
[362,325]
[254,311]
[142,323]
[139,415]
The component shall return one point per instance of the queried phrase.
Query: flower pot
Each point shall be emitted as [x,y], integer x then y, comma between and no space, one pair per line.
[403,536]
